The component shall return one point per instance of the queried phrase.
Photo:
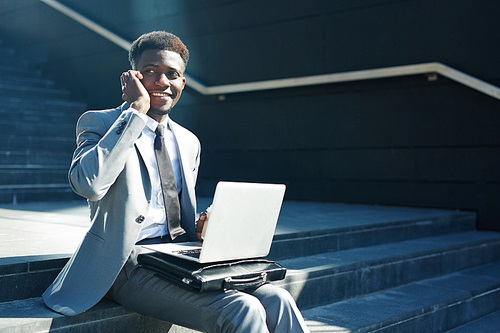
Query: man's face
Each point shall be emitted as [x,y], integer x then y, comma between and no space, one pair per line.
[163,78]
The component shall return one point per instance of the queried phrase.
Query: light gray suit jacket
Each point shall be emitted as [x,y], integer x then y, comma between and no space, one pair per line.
[108,170]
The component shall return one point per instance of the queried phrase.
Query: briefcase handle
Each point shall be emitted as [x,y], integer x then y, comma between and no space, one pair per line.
[239,284]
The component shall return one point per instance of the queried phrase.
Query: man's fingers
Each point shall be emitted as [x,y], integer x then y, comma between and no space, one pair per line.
[130,75]
[201,222]
[137,74]
[133,91]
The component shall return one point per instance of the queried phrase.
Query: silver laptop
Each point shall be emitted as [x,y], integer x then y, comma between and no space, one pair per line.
[241,225]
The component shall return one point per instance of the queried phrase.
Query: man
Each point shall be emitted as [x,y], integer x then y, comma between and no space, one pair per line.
[114,166]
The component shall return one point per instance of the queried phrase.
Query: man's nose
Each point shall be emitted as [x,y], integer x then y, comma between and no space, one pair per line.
[162,80]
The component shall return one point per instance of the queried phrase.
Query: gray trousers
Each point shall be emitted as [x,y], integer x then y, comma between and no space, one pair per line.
[264,309]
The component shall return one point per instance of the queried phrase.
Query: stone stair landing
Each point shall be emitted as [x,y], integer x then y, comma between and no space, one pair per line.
[351,268]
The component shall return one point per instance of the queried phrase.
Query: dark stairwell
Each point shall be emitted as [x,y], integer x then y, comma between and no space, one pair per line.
[37,131]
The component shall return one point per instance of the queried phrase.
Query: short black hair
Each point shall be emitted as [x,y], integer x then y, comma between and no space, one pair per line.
[160,40]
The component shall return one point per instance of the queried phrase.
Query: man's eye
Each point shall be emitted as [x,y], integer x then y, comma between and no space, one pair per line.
[149,71]
[173,75]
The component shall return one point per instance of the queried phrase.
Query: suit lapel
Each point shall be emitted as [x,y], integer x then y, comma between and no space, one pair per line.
[142,147]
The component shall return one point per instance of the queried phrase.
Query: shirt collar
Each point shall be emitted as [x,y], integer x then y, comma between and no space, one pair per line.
[152,124]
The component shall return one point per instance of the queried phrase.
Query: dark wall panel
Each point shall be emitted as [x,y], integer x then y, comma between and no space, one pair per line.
[403,141]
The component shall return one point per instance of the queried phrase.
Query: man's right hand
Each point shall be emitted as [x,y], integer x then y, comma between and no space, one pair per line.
[199,225]
[133,91]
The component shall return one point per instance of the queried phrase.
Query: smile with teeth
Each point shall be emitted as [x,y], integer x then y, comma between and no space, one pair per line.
[159,94]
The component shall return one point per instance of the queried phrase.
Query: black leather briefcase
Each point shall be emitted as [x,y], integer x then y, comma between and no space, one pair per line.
[239,274]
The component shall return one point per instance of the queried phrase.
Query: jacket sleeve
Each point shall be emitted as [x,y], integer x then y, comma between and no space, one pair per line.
[102,150]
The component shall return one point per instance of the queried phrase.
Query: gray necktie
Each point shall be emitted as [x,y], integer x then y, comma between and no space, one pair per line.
[168,185]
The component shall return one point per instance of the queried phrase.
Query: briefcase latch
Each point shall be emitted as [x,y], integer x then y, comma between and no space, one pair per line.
[187,281]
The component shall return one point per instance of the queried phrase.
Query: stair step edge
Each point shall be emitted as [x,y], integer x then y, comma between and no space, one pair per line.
[422,306]
[32,315]
[490,323]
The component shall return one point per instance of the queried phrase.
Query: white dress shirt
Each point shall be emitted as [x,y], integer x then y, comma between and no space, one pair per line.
[155,224]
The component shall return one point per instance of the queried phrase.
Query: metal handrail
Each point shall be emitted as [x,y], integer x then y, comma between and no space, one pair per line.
[425,68]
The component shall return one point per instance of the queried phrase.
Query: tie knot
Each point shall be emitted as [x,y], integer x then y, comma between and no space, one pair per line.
[160,130]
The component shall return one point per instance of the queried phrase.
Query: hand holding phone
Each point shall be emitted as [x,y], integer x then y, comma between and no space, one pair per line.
[134,92]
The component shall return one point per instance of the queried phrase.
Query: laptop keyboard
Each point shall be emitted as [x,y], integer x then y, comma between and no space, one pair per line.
[195,253]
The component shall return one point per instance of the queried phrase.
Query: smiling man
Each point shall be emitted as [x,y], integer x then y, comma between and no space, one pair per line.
[138,169]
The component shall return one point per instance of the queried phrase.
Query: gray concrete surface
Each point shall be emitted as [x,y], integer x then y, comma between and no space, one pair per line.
[36,239]
[57,228]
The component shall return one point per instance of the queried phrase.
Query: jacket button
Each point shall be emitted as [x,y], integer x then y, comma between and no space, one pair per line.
[119,131]
[140,219]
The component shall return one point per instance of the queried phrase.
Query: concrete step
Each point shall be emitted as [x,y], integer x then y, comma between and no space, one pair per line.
[335,276]
[487,324]
[8,90]
[433,305]
[32,316]
[319,280]
[337,227]
[6,52]
[9,58]
[33,175]
[46,142]
[11,114]
[45,107]
[26,72]
[316,279]
[37,127]
[43,128]
[427,306]
[28,193]
[28,276]
[30,158]
[14,80]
